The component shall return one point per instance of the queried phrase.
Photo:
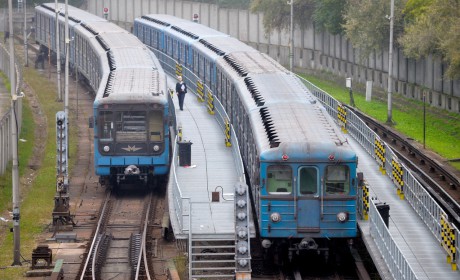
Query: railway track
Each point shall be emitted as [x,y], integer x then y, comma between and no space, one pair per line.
[437,178]
[119,247]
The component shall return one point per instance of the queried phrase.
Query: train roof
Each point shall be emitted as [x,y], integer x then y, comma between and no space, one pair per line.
[75,14]
[185,27]
[133,85]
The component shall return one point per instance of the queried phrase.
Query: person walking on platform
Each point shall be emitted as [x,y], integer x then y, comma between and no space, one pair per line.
[181,90]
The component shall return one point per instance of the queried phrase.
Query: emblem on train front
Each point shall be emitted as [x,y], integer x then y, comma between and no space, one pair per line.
[131,149]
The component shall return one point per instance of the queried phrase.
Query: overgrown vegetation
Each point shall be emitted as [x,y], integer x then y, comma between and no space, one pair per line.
[37,195]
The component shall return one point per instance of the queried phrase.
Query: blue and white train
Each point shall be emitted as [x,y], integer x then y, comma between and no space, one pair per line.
[301,169]
[131,106]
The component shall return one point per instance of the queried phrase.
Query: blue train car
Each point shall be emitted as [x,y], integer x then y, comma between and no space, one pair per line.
[301,170]
[131,107]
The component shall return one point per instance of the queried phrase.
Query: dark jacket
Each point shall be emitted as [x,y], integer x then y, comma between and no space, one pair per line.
[181,87]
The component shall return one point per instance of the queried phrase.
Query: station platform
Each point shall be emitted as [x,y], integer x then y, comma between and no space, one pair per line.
[212,171]
[420,249]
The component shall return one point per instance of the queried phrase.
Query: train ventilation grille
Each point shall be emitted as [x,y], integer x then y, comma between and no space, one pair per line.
[235,65]
[155,20]
[111,59]
[87,27]
[155,82]
[103,44]
[212,47]
[254,92]
[109,86]
[269,128]
[186,33]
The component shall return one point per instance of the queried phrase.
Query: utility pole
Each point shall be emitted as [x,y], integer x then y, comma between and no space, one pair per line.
[58,54]
[26,57]
[390,64]
[14,146]
[291,50]
[67,43]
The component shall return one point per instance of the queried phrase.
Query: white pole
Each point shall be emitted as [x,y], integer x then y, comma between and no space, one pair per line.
[14,145]
[26,64]
[291,50]
[390,64]
[58,54]
[67,50]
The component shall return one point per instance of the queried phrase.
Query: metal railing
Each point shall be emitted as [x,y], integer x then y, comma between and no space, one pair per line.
[181,207]
[392,255]
[6,153]
[421,201]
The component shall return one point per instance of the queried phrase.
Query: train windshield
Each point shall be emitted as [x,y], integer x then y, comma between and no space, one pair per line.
[337,179]
[279,179]
[131,126]
[308,180]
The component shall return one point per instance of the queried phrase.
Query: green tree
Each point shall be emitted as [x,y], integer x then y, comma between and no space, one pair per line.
[277,13]
[367,25]
[328,15]
[434,29]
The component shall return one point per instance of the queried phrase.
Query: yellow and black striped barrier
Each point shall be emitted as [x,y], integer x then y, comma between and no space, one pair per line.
[342,117]
[397,173]
[379,151]
[448,241]
[178,69]
[227,134]
[179,134]
[200,91]
[210,103]
[365,199]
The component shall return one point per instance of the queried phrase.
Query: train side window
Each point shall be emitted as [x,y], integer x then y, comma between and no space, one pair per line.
[308,180]
[337,179]
[279,179]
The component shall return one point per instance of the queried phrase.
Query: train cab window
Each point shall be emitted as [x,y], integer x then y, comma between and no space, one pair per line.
[131,126]
[156,126]
[337,179]
[279,179]
[308,180]
[106,126]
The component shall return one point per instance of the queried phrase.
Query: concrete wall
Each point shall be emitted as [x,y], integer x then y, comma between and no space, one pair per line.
[316,51]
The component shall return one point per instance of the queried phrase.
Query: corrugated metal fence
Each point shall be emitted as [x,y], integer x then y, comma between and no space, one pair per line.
[6,153]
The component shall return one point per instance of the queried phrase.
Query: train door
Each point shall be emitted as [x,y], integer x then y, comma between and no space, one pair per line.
[308,203]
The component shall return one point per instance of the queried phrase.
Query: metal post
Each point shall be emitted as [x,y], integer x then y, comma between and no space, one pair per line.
[14,145]
[26,57]
[291,47]
[390,64]
[58,54]
[67,50]
[424,120]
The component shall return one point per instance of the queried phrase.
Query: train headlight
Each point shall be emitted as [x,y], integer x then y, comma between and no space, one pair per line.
[156,148]
[106,149]
[342,217]
[266,243]
[275,217]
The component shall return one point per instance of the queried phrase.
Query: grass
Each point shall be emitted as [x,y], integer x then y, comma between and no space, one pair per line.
[442,127]
[36,196]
